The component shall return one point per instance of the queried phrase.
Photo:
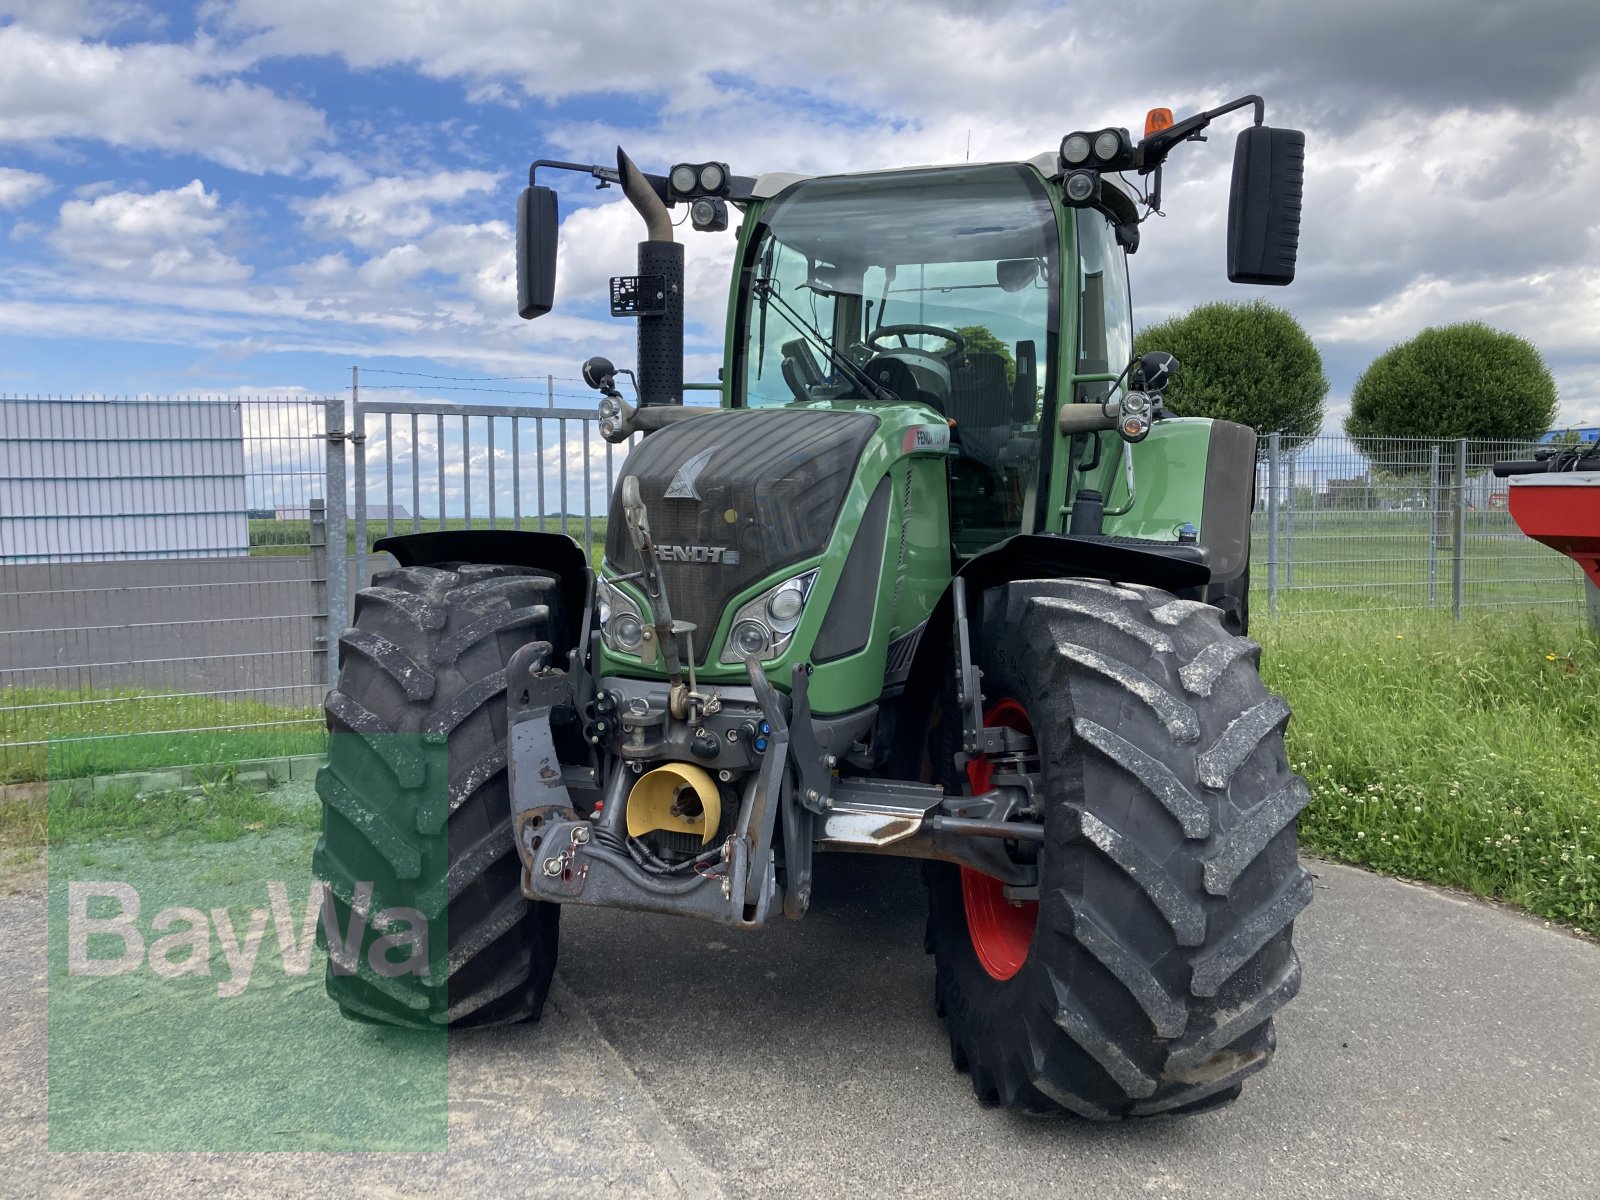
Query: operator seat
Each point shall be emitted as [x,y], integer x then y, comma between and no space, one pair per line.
[980,394]
[981,404]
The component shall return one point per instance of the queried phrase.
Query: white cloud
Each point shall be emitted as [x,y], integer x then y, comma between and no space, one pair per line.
[384,211]
[19,188]
[162,236]
[148,96]
[75,16]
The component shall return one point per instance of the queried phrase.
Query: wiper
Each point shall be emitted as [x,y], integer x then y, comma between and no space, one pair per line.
[764,289]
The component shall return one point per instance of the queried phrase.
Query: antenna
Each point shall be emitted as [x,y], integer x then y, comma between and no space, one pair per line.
[969,146]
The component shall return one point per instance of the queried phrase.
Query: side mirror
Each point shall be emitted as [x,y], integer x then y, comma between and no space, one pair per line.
[598,373]
[1264,206]
[537,224]
[1154,372]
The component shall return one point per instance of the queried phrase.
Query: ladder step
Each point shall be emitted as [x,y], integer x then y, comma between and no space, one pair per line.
[876,812]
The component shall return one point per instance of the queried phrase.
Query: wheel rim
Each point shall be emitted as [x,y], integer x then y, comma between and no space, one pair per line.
[1001,930]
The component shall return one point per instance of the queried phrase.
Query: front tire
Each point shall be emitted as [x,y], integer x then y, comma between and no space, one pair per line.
[425,661]
[1169,877]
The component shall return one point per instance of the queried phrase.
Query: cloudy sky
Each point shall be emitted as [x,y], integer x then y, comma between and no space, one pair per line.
[252,195]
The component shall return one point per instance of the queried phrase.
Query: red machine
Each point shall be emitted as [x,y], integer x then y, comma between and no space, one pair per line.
[1556,500]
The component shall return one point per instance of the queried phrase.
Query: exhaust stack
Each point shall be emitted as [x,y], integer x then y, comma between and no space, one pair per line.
[660,366]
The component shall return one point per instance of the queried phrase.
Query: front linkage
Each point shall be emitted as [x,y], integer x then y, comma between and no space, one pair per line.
[784,762]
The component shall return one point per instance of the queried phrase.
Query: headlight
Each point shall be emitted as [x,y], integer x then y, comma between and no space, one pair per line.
[751,637]
[765,625]
[622,624]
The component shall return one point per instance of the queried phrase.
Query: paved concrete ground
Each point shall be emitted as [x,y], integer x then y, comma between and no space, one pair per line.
[1440,1048]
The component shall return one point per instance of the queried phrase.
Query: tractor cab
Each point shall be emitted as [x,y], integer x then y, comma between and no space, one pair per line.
[935,287]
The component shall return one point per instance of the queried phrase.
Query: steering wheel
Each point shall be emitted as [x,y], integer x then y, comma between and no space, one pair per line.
[905,331]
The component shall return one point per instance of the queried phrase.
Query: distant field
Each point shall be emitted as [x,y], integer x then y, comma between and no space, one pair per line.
[1354,560]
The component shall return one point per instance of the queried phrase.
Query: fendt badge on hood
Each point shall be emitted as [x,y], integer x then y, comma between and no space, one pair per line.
[698,554]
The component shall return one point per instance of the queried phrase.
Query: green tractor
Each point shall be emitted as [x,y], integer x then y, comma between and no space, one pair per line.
[939,579]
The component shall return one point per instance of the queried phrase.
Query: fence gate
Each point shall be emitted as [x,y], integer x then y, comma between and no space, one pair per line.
[421,466]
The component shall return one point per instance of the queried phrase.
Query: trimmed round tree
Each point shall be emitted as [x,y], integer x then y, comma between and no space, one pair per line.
[1455,381]
[1251,363]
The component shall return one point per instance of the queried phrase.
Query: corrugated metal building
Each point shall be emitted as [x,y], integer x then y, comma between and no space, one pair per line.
[87,480]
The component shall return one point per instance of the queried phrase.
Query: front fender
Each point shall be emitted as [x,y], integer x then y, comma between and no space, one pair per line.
[553,552]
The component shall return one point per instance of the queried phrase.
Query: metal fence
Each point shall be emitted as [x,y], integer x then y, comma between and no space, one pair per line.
[163,571]
[175,567]
[1396,524]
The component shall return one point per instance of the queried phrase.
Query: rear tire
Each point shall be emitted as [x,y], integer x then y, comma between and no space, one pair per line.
[427,656]
[1169,877]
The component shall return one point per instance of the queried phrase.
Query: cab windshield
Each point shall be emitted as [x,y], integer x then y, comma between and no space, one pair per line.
[936,286]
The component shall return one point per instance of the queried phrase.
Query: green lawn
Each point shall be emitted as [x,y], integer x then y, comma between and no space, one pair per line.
[108,732]
[1463,754]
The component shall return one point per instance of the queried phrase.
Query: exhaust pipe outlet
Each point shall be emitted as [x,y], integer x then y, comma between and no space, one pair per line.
[657,224]
[660,367]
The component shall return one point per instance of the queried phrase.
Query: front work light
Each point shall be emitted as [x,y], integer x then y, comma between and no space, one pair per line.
[1082,188]
[683,178]
[1075,149]
[1113,150]
[688,181]
[709,214]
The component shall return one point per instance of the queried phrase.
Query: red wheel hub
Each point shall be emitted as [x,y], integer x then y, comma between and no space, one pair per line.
[1001,929]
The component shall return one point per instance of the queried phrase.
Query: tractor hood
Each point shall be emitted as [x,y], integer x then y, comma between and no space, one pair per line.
[735,496]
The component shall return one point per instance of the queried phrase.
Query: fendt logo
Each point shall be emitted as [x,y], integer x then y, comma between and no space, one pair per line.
[698,554]
[925,438]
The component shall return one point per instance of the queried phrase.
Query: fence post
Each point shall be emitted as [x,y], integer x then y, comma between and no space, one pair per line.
[1592,590]
[1458,572]
[337,559]
[1433,527]
[1272,523]
[359,440]
[1288,525]
[320,609]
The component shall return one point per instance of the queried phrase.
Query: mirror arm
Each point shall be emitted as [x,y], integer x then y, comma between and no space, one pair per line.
[1153,150]
[606,175]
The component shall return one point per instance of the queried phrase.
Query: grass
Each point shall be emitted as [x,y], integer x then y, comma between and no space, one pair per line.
[108,732]
[1461,754]
[220,809]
